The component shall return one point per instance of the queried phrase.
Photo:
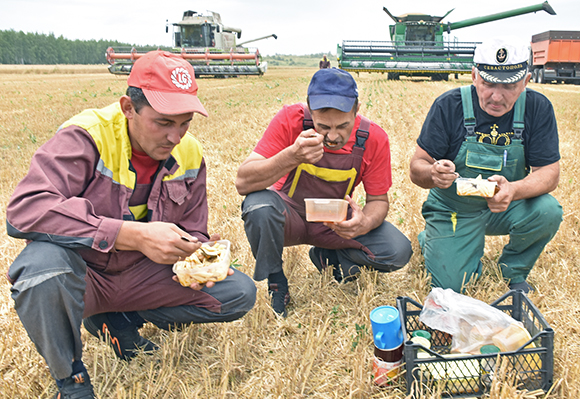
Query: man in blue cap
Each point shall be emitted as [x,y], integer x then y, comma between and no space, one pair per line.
[322,149]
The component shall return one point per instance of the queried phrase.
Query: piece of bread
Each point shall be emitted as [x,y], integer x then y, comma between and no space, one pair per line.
[476,187]
[208,263]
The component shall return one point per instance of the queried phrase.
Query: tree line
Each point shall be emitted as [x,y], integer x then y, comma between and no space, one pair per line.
[42,49]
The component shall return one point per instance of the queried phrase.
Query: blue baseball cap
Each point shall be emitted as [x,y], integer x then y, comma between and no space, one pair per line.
[332,88]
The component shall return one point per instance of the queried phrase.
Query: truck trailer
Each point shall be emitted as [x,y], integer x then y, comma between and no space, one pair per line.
[555,57]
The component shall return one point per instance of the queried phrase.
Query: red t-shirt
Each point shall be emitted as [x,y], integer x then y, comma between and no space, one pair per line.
[144,165]
[376,165]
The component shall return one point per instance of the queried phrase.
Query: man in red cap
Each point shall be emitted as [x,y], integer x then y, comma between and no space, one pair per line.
[115,198]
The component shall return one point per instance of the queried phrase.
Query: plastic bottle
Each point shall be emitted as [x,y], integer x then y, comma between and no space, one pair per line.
[388,344]
[387,364]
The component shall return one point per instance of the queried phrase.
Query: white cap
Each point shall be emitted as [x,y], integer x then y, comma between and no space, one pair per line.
[502,59]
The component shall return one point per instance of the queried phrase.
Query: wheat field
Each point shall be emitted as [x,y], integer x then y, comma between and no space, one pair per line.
[324,348]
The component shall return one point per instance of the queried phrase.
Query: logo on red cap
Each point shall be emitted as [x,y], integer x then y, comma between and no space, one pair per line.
[181,78]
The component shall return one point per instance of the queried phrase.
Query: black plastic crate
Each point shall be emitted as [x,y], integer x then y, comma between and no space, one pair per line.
[467,376]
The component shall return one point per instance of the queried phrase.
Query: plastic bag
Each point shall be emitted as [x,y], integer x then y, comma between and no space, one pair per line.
[471,322]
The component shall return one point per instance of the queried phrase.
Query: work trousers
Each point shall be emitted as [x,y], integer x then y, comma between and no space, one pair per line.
[266,214]
[453,242]
[53,288]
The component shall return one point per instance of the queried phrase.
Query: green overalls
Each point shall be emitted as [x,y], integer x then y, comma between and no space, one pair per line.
[455,227]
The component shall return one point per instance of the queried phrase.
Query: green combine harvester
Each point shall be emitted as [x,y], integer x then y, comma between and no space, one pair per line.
[417,46]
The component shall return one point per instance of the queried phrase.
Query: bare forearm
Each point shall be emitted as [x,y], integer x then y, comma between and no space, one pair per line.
[375,211]
[258,173]
[363,220]
[159,241]
[426,172]
[420,173]
[542,180]
[129,237]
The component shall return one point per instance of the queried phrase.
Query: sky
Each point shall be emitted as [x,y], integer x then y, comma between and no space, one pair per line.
[302,26]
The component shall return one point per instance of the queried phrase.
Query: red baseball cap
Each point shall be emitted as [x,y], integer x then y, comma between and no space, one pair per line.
[168,82]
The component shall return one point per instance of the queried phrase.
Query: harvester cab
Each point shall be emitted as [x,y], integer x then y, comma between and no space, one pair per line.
[199,30]
[418,47]
[415,27]
[206,43]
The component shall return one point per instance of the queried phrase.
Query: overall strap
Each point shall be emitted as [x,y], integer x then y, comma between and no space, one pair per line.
[362,134]
[468,115]
[519,112]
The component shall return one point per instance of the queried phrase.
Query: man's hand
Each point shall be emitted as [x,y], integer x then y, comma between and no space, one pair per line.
[503,198]
[159,241]
[209,284]
[443,173]
[258,173]
[308,147]
[427,172]
[542,180]
[361,222]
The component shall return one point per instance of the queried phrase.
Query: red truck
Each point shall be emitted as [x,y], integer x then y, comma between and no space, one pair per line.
[555,57]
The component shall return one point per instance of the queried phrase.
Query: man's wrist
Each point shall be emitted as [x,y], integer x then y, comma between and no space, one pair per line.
[129,235]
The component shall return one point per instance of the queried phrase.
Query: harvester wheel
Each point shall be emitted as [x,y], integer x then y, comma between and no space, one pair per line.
[437,77]
[392,76]
[541,76]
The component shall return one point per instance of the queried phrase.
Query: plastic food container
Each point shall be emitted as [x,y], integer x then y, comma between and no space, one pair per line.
[325,210]
[209,263]
[512,338]
[476,187]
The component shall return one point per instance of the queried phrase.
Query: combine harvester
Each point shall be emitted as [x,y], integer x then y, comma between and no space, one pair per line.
[206,43]
[417,46]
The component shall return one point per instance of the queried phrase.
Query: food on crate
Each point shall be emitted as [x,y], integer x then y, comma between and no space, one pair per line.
[209,263]
[422,333]
[473,372]
[512,338]
[476,187]
[424,342]
[470,321]
[460,376]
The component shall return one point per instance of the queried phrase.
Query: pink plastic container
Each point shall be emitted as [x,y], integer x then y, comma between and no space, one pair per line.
[325,210]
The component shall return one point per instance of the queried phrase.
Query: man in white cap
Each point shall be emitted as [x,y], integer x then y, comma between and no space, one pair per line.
[115,198]
[506,133]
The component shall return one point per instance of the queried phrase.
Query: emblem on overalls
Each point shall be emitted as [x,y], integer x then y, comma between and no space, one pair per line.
[494,136]
[501,56]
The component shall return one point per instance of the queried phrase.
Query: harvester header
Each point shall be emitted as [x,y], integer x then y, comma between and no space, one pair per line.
[204,41]
[418,48]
